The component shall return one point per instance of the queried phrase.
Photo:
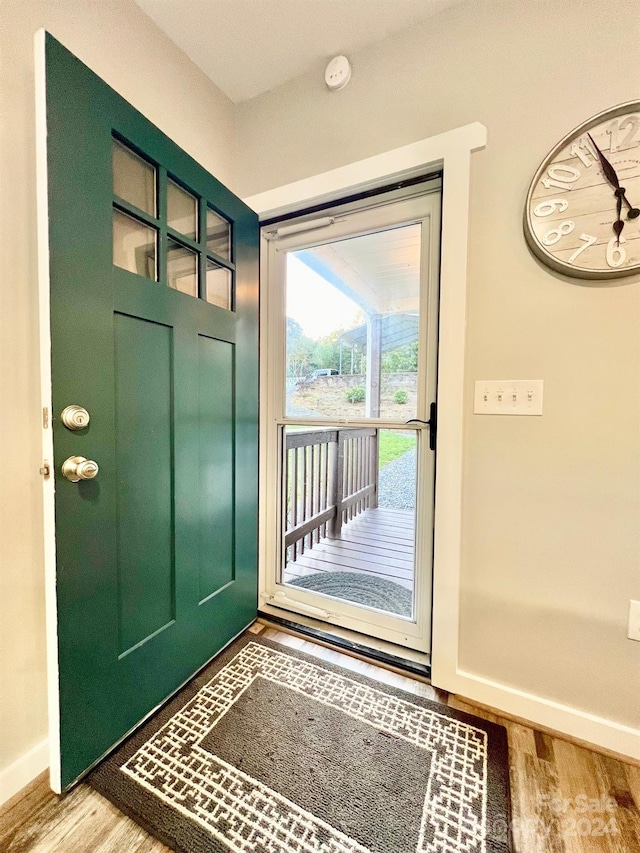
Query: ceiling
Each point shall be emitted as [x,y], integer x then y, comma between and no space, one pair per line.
[247,47]
[380,271]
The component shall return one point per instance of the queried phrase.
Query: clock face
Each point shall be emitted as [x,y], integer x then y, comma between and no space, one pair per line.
[571,218]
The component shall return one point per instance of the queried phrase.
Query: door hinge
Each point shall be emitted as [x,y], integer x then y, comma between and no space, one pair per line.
[45,418]
[45,470]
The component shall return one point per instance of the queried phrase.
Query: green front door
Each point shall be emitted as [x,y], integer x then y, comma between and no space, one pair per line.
[154,295]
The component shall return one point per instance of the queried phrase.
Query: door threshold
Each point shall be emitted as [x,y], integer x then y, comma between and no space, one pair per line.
[385,654]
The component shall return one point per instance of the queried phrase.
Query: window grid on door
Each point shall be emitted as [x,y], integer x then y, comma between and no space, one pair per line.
[164,231]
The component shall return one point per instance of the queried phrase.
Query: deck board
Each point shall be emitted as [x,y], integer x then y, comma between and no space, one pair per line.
[366,555]
[379,542]
[317,565]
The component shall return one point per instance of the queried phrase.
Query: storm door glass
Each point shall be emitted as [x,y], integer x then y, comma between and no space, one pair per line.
[352,354]
[349,515]
[353,319]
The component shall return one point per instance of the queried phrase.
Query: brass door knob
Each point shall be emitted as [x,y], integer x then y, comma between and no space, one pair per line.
[77,468]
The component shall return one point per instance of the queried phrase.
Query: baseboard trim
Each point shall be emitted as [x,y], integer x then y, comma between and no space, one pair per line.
[546,713]
[23,770]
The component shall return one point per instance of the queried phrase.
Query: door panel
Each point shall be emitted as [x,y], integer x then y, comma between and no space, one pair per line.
[144,493]
[216,450]
[156,557]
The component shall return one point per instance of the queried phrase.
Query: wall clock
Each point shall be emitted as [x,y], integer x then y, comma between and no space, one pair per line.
[582,214]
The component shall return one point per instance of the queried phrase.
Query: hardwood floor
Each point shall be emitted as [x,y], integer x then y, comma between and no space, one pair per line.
[565,798]
[378,542]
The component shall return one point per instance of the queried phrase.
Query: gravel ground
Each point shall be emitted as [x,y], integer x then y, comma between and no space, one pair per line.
[397,482]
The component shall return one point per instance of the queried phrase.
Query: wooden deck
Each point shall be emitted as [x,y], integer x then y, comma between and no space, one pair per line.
[377,542]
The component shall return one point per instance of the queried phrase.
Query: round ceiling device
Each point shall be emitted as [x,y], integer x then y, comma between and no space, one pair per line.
[338,73]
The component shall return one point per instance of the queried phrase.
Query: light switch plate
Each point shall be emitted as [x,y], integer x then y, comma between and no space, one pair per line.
[508,397]
[633,632]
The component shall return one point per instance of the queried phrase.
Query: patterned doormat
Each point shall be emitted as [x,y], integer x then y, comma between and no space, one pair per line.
[269,750]
[360,588]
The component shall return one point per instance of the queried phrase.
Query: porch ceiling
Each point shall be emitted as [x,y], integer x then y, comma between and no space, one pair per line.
[397,331]
[380,272]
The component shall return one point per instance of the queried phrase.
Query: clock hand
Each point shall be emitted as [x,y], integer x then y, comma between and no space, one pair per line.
[607,168]
[618,225]
[612,177]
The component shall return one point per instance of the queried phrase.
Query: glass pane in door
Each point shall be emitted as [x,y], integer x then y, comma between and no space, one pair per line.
[182,268]
[218,235]
[182,210]
[352,327]
[134,245]
[134,180]
[349,499]
[218,285]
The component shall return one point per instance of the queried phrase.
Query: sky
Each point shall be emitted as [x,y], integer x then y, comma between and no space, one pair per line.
[314,303]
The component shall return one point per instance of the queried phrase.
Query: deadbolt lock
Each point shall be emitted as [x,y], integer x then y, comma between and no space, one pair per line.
[75,417]
[77,468]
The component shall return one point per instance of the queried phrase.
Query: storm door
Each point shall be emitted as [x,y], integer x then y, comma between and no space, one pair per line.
[350,431]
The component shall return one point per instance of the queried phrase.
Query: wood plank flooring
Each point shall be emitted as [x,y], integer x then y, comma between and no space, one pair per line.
[565,798]
[379,542]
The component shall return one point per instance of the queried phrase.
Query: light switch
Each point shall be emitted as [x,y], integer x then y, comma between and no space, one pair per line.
[633,632]
[508,397]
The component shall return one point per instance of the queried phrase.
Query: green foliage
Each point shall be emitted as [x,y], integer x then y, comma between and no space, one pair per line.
[299,349]
[393,444]
[305,355]
[326,352]
[400,396]
[402,359]
[355,394]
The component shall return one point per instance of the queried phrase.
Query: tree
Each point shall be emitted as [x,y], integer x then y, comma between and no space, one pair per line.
[299,348]
[326,352]
[402,359]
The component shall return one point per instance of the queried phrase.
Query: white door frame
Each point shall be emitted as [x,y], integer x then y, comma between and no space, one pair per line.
[48,481]
[451,152]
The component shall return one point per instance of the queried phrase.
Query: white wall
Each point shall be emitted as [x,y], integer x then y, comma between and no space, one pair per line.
[551,512]
[122,45]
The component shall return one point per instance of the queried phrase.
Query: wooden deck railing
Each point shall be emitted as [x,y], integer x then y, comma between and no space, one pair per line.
[331,476]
